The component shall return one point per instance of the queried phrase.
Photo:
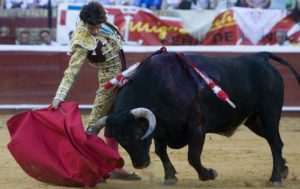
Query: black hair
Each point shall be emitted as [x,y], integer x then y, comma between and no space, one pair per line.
[93,13]
[44,31]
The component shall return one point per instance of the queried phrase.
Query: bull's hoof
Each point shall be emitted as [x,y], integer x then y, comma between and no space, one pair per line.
[273,184]
[170,181]
[285,172]
[211,174]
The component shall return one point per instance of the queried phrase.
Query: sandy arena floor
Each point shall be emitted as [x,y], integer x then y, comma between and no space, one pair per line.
[242,161]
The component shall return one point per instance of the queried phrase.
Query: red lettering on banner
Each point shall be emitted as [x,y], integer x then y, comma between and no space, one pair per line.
[223,20]
[162,30]
[180,40]
[151,30]
[224,31]
[225,37]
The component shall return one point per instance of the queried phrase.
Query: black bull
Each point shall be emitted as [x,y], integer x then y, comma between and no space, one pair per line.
[185,108]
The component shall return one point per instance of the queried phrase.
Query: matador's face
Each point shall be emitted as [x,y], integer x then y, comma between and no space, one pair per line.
[93,29]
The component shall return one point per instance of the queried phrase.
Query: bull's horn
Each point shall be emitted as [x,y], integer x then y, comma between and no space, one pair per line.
[94,129]
[146,113]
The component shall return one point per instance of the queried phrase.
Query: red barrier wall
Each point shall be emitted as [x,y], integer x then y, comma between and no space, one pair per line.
[33,77]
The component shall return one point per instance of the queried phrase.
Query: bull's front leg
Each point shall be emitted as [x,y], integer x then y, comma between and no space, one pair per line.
[161,151]
[195,144]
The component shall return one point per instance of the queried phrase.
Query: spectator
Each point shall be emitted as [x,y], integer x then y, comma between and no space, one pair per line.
[41,3]
[24,38]
[6,37]
[150,4]
[241,3]
[2,3]
[46,3]
[224,4]
[46,39]
[187,4]
[290,4]
[105,2]
[30,4]
[78,1]
[4,31]
[15,4]
[201,4]
[213,4]
[259,4]
[127,2]
[170,4]
[281,38]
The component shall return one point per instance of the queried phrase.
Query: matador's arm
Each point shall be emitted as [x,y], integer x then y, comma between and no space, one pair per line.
[71,73]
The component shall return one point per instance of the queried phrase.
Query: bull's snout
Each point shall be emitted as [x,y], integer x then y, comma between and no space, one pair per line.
[141,165]
[140,160]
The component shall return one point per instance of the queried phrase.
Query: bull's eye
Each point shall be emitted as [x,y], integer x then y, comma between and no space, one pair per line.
[124,143]
[125,137]
[131,138]
[136,137]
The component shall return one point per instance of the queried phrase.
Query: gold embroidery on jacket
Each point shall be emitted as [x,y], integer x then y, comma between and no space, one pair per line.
[71,73]
[83,38]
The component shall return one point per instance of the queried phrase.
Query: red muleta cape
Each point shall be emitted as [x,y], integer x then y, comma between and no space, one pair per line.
[52,146]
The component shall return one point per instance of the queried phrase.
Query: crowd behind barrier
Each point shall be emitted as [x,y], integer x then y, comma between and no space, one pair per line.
[159,4]
[27,20]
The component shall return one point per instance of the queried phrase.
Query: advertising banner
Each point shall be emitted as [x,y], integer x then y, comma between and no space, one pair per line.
[226,30]
[256,23]
[139,26]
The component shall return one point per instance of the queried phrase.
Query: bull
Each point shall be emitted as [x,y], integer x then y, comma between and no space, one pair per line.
[166,100]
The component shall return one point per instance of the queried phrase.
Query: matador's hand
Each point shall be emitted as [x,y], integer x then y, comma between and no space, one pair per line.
[55,103]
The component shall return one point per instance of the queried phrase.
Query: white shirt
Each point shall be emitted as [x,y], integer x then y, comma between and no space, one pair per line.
[53,43]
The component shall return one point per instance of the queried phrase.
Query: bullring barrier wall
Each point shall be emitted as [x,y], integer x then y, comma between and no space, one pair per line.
[30,75]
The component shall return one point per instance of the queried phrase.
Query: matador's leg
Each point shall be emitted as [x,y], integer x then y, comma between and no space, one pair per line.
[102,104]
[104,99]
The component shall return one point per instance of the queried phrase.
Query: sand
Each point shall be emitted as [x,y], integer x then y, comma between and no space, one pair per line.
[242,161]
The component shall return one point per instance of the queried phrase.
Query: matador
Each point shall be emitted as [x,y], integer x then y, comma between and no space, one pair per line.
[103,51]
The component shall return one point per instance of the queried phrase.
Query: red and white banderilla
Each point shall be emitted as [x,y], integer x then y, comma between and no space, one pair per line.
[213,86]
[120,79]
